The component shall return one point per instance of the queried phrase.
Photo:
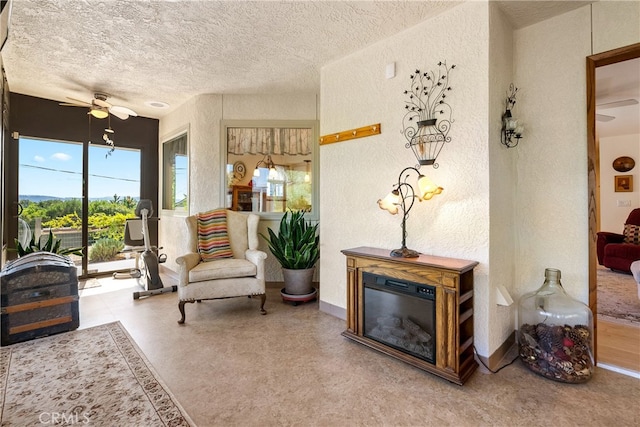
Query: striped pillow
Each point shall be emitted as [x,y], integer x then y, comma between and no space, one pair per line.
[213,240]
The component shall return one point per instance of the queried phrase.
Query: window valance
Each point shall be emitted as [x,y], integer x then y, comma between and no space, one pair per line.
[277,141]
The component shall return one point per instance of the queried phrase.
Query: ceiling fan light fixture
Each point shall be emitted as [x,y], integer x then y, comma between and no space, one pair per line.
[99,112]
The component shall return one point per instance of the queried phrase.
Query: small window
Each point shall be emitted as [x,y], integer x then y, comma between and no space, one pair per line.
[175,174]
[271,166]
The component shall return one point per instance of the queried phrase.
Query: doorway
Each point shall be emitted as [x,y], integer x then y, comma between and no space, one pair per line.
[54,176]
[612,340]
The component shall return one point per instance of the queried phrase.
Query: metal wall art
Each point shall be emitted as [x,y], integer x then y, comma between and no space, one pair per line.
[427,121]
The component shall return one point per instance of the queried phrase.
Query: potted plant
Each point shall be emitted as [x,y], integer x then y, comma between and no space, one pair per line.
[297,248]
[49,246]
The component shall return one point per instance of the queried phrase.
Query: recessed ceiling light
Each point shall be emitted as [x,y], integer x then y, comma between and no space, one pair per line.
[157,104]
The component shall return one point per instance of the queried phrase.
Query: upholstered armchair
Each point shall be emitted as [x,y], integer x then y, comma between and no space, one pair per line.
[215,267]
[618,251]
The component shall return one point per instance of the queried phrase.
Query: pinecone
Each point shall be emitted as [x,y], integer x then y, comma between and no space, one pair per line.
[530,330]
[579,334]
[549,337]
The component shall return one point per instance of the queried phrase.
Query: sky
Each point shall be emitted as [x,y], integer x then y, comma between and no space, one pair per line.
[53,168]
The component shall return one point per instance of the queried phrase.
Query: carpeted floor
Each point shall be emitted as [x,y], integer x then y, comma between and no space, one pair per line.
[96,376]
[618,296]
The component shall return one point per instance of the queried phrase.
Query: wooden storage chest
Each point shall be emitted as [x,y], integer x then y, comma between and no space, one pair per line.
[39,297]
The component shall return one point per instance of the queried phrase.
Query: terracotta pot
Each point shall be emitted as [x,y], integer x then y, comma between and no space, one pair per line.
[298,282]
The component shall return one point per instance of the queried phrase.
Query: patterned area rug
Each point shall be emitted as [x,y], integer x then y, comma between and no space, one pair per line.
[96,376]
[618,296]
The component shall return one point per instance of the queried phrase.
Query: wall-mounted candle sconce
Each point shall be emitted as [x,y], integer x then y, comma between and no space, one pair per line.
[511,128]
[427,121]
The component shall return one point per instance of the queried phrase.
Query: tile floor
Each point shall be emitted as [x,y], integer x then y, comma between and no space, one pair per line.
[230,366]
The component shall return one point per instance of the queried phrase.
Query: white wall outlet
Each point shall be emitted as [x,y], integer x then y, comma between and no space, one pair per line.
[624,203]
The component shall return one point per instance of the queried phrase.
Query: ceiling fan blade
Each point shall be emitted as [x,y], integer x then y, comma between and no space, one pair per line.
[69,104]
[82,103]
[119,114]
[604,118]
[123,110]
[617,104]
[101,103]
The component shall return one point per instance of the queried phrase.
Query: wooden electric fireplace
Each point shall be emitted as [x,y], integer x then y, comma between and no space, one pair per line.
[418,310]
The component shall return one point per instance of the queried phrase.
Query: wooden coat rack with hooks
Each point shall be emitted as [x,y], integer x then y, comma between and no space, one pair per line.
[350,134]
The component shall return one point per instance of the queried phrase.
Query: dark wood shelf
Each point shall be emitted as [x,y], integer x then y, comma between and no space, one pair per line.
[241,198]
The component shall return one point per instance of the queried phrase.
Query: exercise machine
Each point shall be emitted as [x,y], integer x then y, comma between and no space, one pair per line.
[137,240]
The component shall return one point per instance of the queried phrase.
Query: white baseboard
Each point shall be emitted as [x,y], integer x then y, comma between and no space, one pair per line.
[619,370]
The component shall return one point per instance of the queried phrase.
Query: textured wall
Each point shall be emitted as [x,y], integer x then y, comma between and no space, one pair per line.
[502,179]
[551,201]
[202,115]
[299,106]
[356,173]
[615,24]
[612,216]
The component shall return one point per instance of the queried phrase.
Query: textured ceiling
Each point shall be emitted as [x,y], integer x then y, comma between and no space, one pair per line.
[172,50]
[523,13]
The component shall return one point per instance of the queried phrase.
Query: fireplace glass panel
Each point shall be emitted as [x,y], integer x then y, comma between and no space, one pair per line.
[400,314]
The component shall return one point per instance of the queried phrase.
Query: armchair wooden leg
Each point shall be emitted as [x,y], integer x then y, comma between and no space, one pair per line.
[181,308]
[263,299]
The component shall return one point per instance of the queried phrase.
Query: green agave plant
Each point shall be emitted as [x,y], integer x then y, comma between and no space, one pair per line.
[297,244]
[49,246]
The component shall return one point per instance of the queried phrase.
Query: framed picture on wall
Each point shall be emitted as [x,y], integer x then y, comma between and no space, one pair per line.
[623,183]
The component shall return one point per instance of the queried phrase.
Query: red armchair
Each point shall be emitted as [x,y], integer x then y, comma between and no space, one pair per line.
[618,251]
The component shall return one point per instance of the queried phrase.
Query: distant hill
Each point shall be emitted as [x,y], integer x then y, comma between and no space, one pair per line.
[38,198]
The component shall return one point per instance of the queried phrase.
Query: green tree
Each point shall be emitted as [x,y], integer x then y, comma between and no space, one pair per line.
[108,208]
[129,202]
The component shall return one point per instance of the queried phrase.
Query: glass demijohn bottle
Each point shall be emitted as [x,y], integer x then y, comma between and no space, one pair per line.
[555,332]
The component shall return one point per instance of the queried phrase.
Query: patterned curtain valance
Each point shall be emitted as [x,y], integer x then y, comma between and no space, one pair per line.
[290,141]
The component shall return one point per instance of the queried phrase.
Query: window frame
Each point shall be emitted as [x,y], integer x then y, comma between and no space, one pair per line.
[173,136]
[312,215]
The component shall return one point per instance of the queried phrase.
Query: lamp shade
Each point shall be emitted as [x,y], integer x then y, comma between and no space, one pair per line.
[390,202]
[427,189]
[273,173]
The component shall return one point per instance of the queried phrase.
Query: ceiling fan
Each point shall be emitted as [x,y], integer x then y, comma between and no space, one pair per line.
[100,108]
[615,104]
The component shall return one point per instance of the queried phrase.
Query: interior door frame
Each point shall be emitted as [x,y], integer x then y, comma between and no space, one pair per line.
[594,61]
